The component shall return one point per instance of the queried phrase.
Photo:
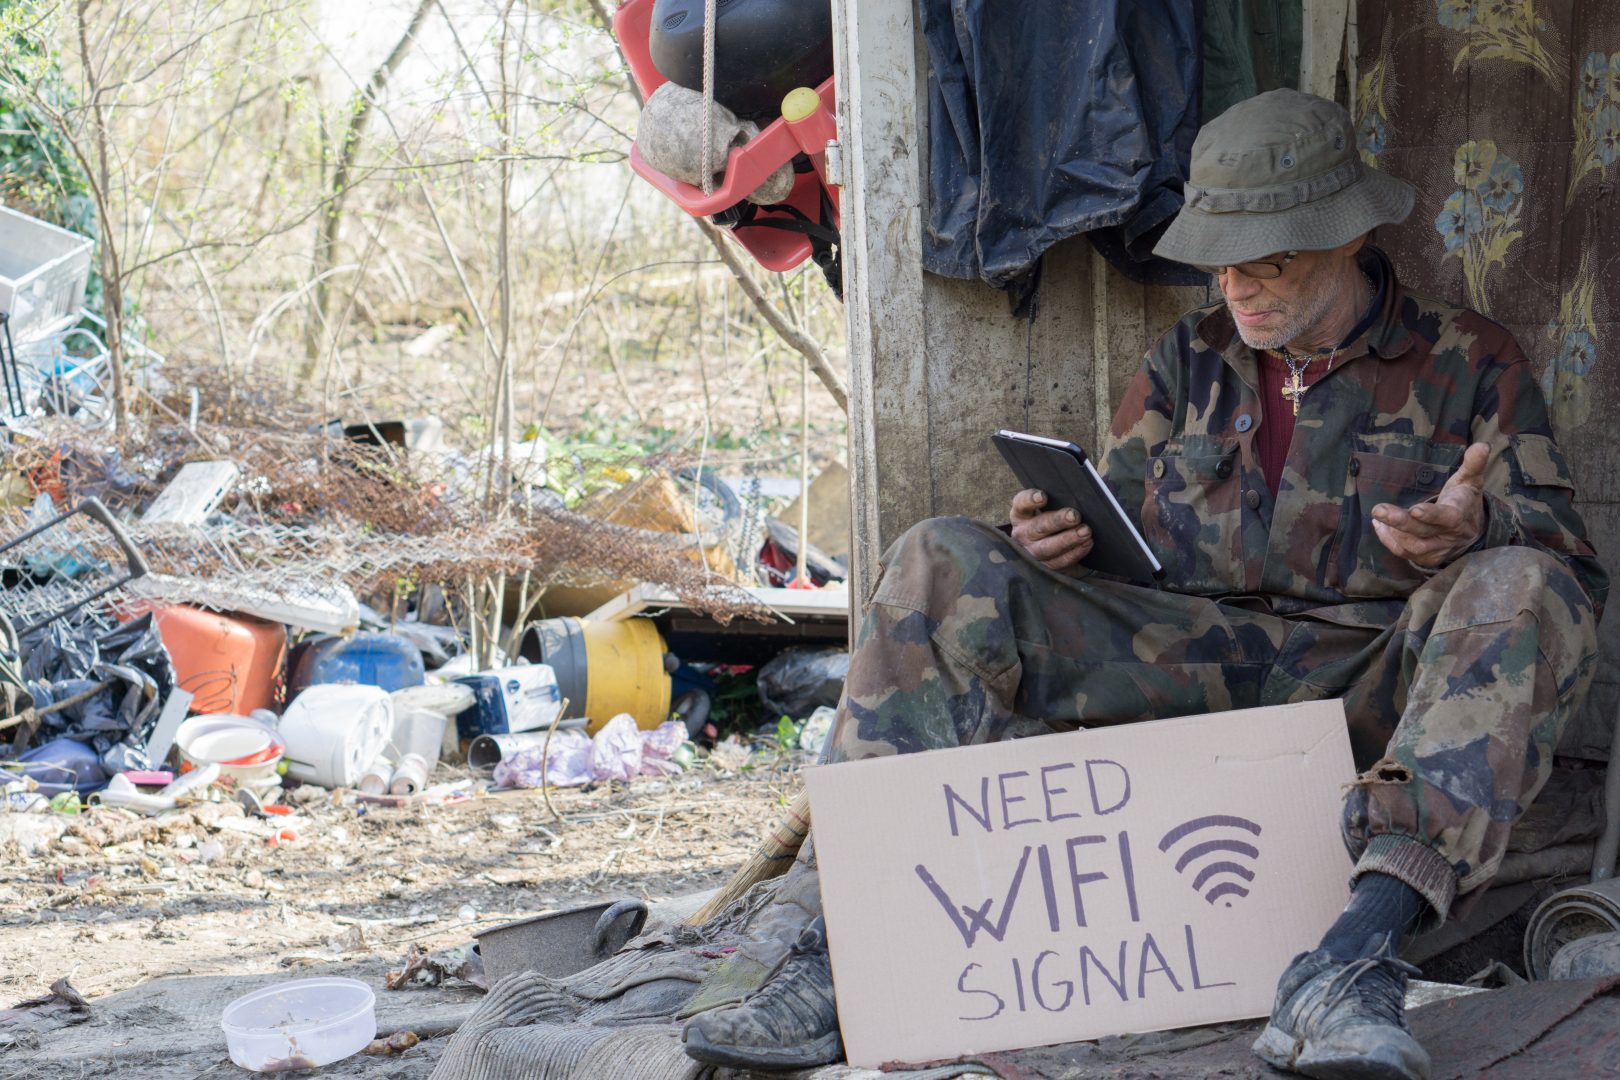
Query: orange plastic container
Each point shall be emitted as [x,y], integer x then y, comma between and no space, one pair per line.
[231,663]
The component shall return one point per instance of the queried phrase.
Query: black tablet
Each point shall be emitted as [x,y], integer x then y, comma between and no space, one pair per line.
[1062,470]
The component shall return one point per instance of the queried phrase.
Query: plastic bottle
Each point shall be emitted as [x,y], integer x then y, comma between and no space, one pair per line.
[410,776]
[374,781]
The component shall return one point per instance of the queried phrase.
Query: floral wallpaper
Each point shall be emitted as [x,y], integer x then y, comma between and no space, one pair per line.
[1597,120]
[1505,116]
[1477,221]
[1498,30]
[1574,331]
[1511,151]
[1374,97]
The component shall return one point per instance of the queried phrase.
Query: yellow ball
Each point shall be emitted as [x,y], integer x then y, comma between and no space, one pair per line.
[800,104]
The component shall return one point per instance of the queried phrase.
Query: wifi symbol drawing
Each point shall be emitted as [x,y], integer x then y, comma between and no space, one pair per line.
[1222,875]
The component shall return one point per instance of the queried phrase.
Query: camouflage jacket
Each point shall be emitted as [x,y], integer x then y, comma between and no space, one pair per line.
[1389,423]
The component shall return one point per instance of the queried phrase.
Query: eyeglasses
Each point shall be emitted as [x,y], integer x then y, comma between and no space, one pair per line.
[1264,270]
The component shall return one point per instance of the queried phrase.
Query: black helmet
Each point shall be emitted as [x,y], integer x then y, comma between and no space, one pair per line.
[762,50]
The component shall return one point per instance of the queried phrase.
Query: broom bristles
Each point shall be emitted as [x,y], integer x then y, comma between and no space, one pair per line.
[771,859]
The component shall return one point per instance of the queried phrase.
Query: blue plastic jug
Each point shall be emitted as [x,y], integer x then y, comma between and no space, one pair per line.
[385,660]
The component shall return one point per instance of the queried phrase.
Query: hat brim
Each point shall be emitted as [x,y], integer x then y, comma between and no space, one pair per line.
[1199,238]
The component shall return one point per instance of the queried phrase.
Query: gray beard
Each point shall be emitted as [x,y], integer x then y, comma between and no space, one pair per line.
[1293,327]
[1261,340]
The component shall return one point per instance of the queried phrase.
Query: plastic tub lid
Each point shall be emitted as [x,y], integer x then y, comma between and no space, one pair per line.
[335,695]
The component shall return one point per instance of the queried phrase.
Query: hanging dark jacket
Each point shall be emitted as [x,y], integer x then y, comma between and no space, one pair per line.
[1051,118]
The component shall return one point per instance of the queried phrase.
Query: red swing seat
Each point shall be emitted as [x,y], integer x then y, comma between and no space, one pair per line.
[748,166]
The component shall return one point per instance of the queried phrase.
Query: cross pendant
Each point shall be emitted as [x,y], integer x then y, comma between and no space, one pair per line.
[1295,390]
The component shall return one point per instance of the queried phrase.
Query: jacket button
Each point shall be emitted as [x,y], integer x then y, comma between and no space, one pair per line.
[1243,423]
[1253,498]
[1355,466]
[1425,475]
[1224,469]
[1158,469]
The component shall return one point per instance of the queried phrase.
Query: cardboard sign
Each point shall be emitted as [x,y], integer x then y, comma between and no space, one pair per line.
[1073,886]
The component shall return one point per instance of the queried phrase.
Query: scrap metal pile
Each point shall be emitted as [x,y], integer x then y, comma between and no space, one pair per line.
[310,515]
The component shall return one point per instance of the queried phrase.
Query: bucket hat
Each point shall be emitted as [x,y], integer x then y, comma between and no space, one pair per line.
[1279,172]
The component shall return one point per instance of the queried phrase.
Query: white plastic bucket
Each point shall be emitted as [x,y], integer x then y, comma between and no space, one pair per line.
[448,700]
[334,731]
[417,731]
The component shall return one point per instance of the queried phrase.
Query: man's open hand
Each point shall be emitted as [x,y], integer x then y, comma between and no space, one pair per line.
[1433,533]
[1058,539]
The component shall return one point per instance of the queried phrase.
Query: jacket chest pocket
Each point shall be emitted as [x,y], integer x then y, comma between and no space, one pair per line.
[1192,518]
[1404,482]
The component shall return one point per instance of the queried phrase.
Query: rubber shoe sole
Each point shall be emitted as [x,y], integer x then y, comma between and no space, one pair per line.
[823,1051]
[1280,1049]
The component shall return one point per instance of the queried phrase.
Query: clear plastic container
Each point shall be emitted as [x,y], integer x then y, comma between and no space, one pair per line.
[43,273]
[300,1025]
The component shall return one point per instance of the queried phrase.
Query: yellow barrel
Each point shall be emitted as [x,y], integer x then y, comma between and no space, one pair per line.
[605,668]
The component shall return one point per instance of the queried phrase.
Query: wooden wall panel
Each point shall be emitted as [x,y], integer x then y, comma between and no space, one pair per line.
[880,119]
[1062,368]
[978,380]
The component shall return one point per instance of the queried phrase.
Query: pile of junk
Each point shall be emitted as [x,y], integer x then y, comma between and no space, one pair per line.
[126,699]
[113,693]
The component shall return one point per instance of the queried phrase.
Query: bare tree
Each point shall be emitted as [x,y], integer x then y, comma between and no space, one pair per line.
[342,180]
[99,165]
[800,341]
[462,236]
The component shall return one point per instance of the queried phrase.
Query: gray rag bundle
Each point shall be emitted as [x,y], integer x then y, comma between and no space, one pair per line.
[670,138]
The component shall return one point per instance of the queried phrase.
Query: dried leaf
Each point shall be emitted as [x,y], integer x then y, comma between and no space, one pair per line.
[397,1043]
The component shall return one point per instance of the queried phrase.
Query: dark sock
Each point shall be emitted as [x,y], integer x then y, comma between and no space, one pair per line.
[1379,906]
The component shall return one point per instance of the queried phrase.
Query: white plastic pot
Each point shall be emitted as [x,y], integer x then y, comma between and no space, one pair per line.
[334,731]
[448,700]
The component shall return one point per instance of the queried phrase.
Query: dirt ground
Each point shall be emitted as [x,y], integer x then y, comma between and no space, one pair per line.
[119,900]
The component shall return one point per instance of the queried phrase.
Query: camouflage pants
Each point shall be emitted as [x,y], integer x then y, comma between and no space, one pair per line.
[1454,706]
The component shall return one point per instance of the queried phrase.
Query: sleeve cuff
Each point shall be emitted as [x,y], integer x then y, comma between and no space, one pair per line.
[1413,861]
[1502,527]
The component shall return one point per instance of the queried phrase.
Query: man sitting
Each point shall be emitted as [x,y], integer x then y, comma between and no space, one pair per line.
[1355,493]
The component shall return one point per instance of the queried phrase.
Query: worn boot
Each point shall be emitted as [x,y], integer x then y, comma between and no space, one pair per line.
[789,1023]
[1338,1020]
[772,929]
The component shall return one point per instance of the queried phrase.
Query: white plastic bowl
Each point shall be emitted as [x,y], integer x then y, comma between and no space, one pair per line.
[226,744]
[300,1025]
[220,738]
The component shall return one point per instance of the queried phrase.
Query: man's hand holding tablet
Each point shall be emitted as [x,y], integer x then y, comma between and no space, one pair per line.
[1057,539]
